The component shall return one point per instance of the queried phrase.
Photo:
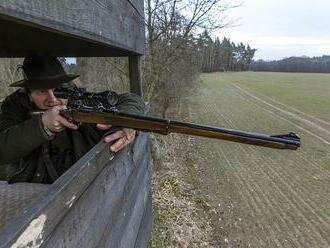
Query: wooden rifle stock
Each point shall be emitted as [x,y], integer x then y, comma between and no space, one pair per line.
[164,126]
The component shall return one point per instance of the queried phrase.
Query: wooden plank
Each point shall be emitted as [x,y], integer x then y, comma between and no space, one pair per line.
[138,6]
[113,233]
[140,147]
[131,230]
[50,43]
[126,225]
[129,207]
[137,209]
[135,74]
[16,198]
[145,229]
[70,212]
[37,223]
[86,222]
[123,212]
[100,23]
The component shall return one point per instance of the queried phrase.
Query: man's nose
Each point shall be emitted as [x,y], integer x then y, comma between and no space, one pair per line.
[51,95]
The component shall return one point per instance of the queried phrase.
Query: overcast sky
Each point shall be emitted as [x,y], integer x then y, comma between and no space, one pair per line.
[282,28]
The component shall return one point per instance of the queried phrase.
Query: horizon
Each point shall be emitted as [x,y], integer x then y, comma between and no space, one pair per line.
[279,29]
[73,60]
[302,56]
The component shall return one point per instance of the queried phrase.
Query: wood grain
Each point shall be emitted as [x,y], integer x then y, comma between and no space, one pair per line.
[95,196]
[71,28]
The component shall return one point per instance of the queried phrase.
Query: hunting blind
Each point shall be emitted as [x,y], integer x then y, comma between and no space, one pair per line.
[104,200]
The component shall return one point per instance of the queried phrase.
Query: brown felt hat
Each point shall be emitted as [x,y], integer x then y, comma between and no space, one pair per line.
[43,72]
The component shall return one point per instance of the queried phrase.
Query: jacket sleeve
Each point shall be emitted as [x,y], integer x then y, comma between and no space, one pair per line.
[128,103]
[131,103]
[18,137]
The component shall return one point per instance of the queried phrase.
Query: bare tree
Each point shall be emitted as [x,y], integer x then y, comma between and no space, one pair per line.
[171,60]
[103,73]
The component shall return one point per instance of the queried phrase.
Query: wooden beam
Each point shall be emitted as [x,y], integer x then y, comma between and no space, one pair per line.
[98,26]
[135,74]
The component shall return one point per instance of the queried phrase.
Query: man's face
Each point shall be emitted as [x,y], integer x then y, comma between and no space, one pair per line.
[45,99]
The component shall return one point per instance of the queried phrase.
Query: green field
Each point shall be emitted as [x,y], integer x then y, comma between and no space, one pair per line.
[308,92]
[262,197]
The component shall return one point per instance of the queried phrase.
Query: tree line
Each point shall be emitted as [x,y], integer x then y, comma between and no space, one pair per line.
[294,64]
[216,55]
[179,47]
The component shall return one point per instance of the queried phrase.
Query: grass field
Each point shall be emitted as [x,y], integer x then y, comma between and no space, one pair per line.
[261,197]
[309,92]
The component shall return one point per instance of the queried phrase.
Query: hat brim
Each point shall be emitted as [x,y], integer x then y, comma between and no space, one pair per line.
[48,83]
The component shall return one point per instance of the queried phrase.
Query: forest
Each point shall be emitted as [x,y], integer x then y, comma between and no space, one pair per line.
[294,64]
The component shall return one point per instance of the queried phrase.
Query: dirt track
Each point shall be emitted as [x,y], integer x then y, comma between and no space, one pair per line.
[285,112]
[263,197]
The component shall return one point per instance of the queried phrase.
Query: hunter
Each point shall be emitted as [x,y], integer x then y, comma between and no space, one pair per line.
[41,147]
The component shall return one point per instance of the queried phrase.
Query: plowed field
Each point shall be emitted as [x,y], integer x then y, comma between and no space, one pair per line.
[264,197]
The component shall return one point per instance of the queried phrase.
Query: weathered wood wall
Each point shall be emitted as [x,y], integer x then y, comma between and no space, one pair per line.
[72,27]
[99,202]
[104,200]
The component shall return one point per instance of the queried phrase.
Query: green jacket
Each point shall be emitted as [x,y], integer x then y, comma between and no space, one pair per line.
[22,135]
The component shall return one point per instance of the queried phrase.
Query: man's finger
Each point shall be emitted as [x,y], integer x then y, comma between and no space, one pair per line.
[114,136]
[66,123]
[103,126]
[130,133]
[119,145]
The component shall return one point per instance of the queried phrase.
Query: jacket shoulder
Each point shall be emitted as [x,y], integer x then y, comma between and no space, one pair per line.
[14,109]
[17,103]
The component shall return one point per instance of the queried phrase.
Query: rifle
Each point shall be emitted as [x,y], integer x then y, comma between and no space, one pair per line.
[90,107]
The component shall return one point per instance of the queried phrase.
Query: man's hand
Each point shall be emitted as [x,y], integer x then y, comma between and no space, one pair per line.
[123,137]
[54,121]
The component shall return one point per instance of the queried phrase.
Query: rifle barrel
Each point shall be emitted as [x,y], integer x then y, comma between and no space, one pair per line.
[165,126]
